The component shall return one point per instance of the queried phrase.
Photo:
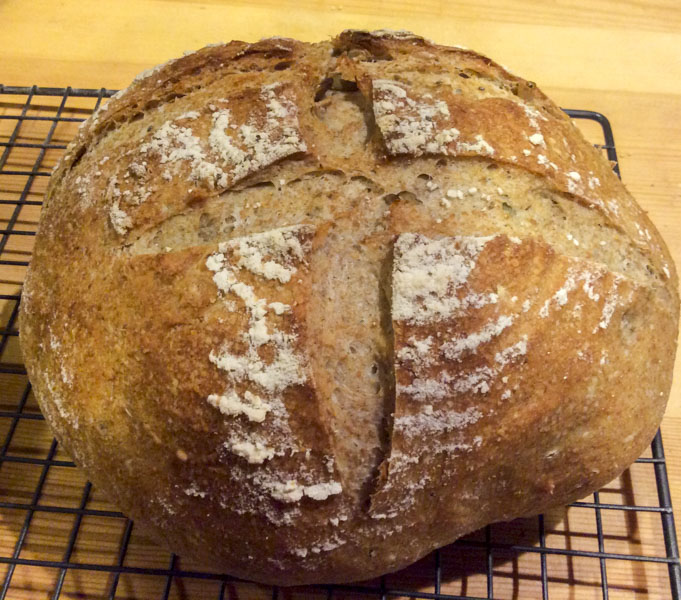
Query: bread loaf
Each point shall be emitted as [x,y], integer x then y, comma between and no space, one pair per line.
[309,311]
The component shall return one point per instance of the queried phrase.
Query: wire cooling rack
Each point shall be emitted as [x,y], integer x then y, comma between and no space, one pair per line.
[59,538]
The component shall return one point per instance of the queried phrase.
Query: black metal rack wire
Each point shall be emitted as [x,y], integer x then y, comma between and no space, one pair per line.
[46,111]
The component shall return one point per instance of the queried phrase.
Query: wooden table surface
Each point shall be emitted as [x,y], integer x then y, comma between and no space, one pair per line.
[619,57]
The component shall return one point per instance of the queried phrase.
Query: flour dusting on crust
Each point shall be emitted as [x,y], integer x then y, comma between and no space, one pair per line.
[211,148]
[427,274]
[275,256]
[293,491]
[272,255]
[410,126]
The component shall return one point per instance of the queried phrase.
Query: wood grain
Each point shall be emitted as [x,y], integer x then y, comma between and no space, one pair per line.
[618,57]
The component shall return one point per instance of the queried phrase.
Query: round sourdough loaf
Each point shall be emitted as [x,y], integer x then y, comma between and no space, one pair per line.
[309,311]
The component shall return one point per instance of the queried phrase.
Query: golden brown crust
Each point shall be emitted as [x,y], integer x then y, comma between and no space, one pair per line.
[308,311]
[529,350]
[502,126]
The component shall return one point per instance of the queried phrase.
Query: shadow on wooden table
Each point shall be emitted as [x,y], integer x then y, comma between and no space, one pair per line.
[463,566]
